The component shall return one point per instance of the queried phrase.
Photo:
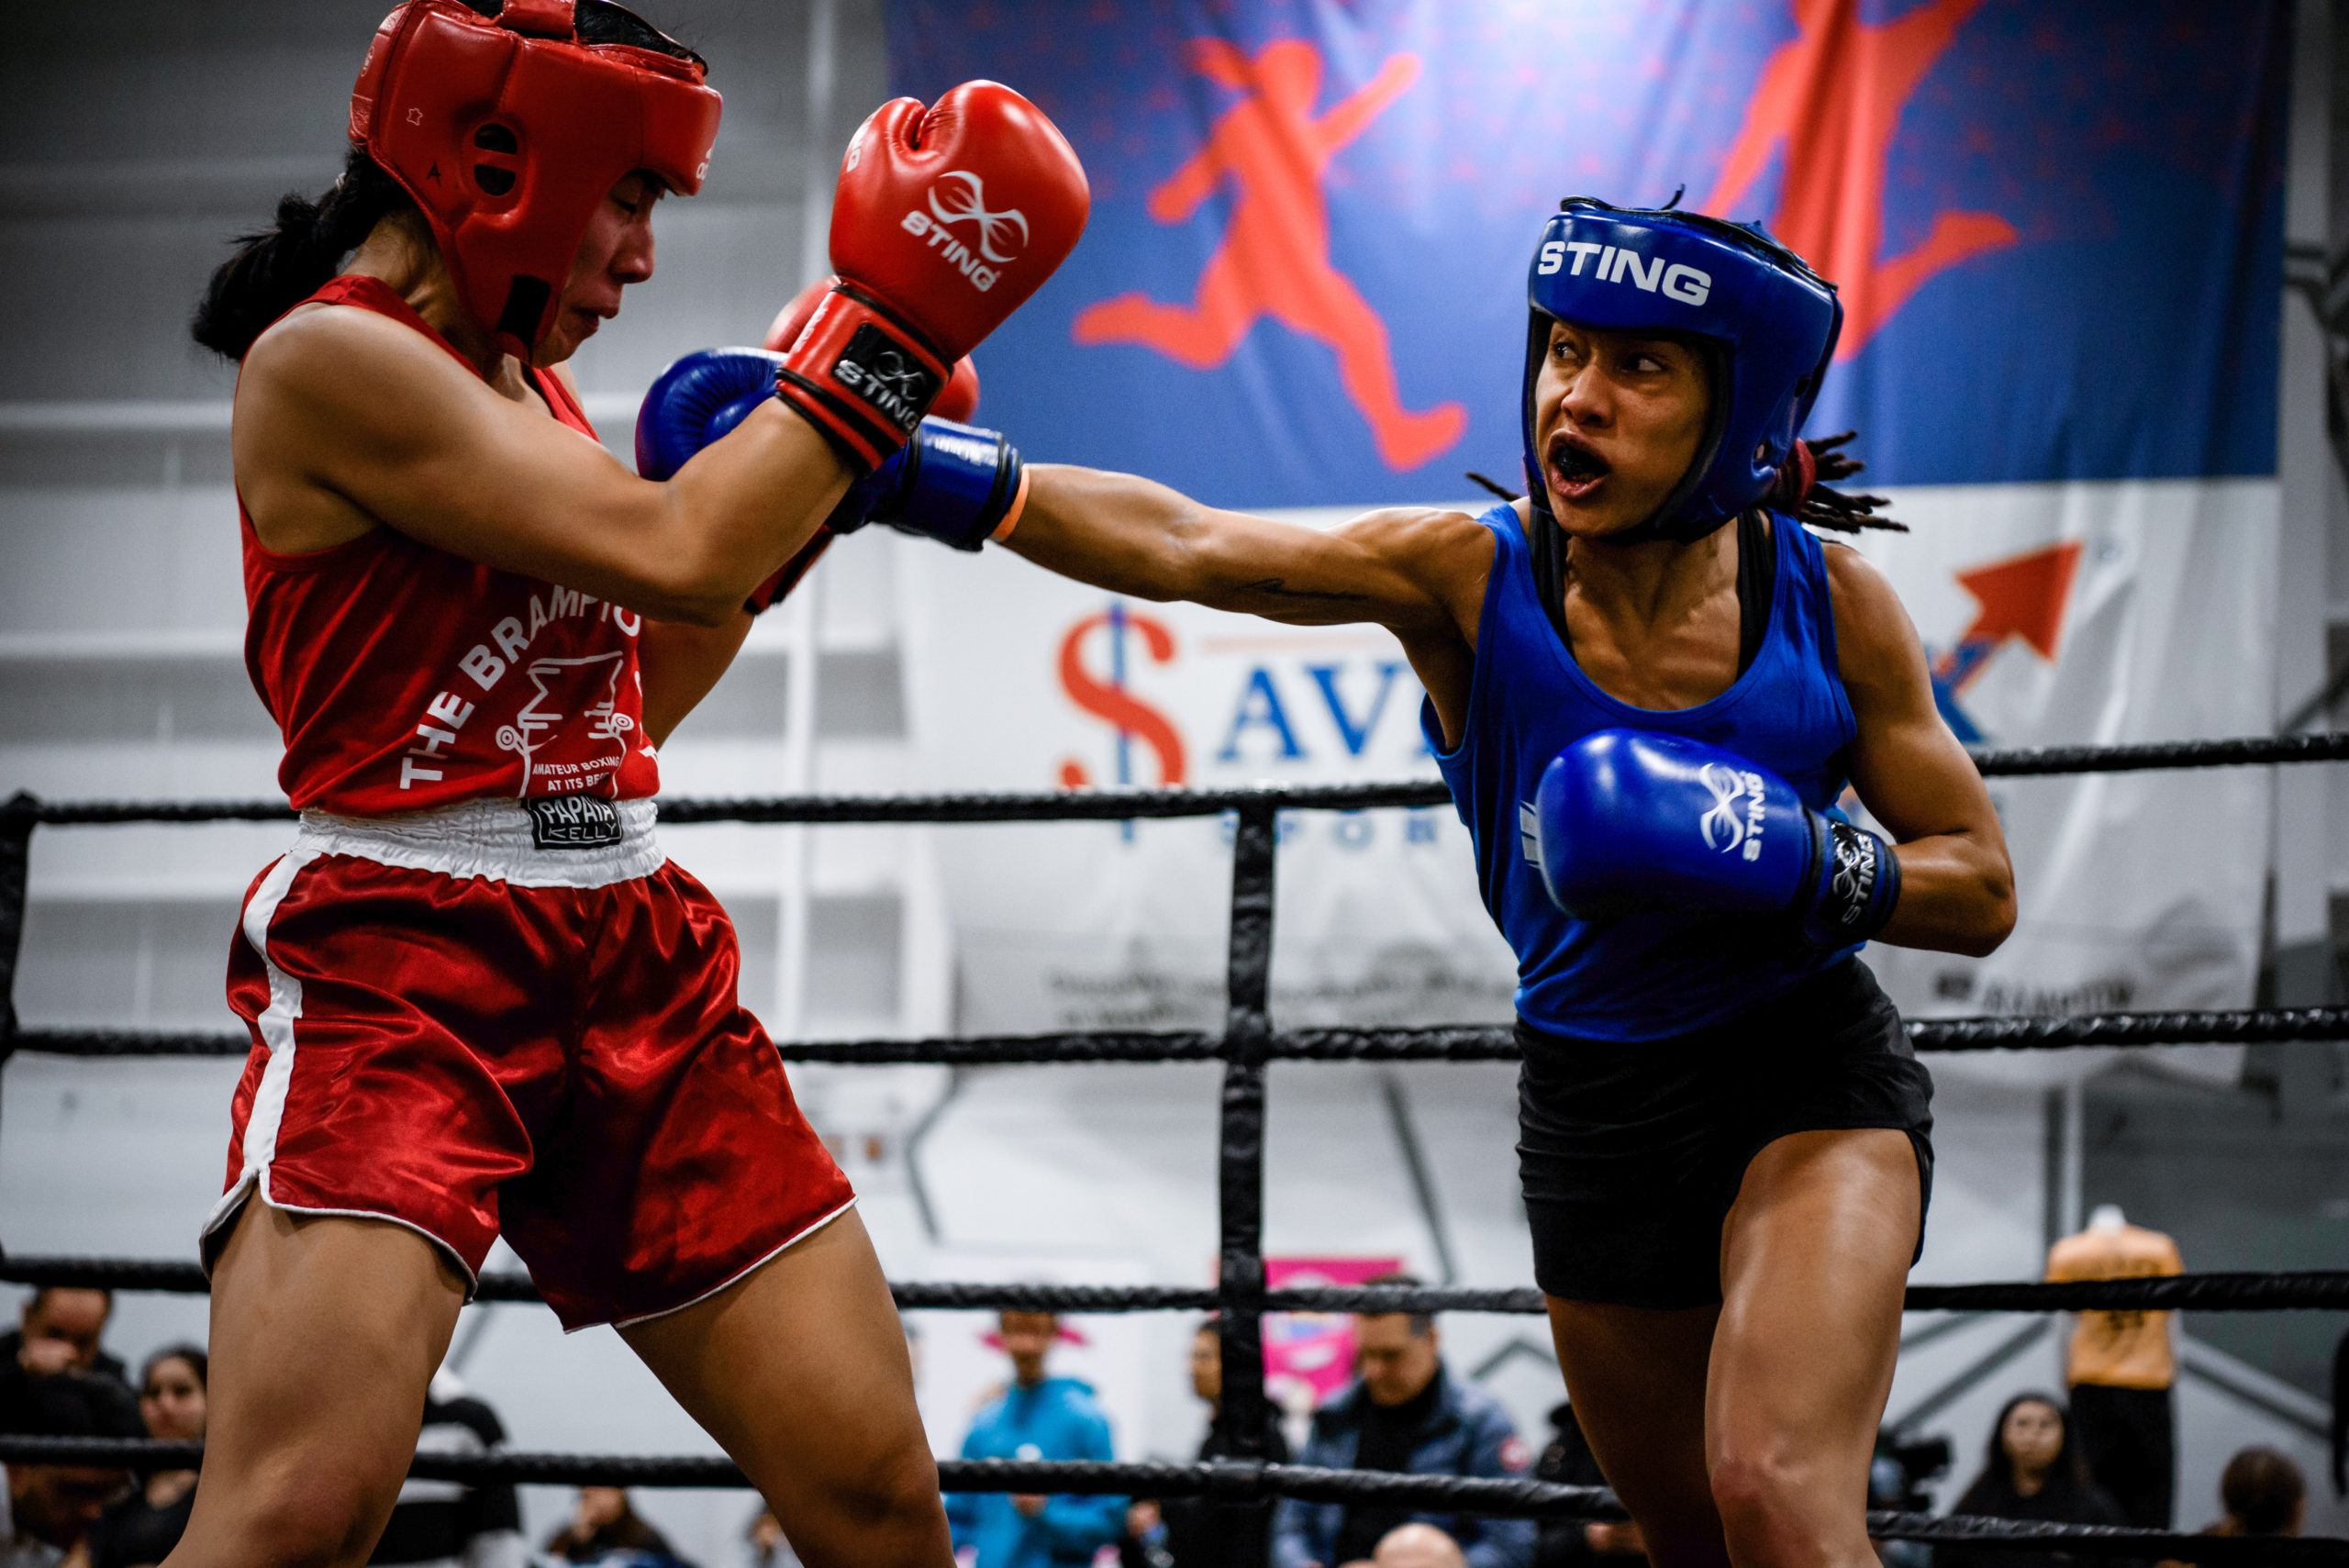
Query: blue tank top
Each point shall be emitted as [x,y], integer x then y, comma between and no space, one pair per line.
[1655,973]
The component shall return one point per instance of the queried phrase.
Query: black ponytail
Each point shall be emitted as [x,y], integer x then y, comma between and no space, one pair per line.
[276,269]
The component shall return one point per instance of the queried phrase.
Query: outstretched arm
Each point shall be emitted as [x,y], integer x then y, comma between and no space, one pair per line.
[1346,121]
[1957,886]
[1420,572]
[1406,569]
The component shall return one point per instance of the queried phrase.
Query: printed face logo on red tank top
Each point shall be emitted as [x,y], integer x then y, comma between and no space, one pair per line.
[577,707]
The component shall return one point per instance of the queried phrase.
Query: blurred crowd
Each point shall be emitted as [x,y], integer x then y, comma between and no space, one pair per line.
[1404,1410]
[2102,1454]
[57,1380]
[2076,1458]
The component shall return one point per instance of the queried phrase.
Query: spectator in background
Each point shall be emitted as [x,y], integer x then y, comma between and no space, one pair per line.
[1036,1418]
[2033,1471]
[1404,1412]
[59,1330]
[1418,1546]
[2263,1493]
[443,1523]
[141,1528]
[766,1544]
[1190,1532]
[47,1509]
[1579,1543]
[604,1530]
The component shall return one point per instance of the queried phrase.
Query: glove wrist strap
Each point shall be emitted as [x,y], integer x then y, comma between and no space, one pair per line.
[784,578]
[861,376]
[1011,514]
[1857,887]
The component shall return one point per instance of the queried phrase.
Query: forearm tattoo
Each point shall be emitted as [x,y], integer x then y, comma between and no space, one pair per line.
[1279,589]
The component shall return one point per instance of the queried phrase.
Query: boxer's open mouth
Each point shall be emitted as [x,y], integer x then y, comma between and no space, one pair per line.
[1575,470]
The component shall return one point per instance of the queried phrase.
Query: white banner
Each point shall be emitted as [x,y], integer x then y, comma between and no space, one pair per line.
[2054,614]
[1021,680]
[2101,614]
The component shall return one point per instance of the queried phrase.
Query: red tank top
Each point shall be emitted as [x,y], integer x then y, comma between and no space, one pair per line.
[404,677]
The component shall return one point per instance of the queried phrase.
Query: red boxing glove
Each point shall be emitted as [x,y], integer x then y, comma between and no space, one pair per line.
[960,399]
[944,221]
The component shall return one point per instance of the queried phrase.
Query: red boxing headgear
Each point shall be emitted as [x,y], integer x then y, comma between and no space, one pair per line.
[508,131]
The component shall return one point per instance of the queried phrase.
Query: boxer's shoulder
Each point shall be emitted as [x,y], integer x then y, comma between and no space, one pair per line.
[325,341]
[1444,552]
[1439,539]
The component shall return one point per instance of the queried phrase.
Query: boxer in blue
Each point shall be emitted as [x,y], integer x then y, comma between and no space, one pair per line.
[1645,716]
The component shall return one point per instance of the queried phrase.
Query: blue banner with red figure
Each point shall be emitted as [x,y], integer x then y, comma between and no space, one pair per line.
[2057,229]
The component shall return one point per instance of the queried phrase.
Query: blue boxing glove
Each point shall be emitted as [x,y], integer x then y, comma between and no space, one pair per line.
[697,399]
[957,483]
[1624,817]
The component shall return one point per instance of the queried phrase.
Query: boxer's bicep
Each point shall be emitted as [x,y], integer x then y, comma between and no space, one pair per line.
[1129,535]
[1908,768]
[1402,568]
[1306,576]
[1957,890]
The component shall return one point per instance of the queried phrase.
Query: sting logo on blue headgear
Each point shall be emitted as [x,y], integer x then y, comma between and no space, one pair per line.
[1767,322]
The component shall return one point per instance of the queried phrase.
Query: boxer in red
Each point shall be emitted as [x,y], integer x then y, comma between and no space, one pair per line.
[481,998]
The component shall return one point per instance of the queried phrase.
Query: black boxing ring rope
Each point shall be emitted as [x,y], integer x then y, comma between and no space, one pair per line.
[1245,1483]
[2316,1289]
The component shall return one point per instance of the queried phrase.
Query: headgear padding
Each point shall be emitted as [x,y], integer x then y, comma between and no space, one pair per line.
[508,132]
[1768,322]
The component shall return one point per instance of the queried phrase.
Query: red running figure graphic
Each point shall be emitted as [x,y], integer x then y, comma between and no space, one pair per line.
[1275,258]
[1834,97]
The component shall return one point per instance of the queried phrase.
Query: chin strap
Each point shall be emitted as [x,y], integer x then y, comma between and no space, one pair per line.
[1547,546]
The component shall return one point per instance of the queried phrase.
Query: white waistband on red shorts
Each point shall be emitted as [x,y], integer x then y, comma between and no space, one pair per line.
[495,840]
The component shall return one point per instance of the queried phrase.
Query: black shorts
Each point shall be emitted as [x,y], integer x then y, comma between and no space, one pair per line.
[1630,1152]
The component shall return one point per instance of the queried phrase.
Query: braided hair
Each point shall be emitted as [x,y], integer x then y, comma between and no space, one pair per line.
[275,269]
[1802,493]
[1800,490]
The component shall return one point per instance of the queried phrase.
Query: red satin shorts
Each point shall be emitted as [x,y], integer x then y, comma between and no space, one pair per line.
[461,1031]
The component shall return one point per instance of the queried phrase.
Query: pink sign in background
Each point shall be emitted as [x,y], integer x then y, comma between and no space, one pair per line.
[1310,1355]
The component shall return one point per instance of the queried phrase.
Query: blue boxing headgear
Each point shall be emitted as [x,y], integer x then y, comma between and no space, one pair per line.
[1767,322]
